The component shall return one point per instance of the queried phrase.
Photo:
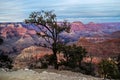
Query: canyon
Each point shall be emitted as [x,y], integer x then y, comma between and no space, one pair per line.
[99,39]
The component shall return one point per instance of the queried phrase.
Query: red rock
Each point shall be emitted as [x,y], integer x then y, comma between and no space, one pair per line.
[77,26]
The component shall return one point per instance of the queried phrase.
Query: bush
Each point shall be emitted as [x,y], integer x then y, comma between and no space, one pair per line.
[5,61]
[88,68]
[46,60]
[74,55]
[108,69]
[43,62]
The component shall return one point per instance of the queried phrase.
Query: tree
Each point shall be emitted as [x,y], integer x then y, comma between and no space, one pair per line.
[49,30]
[108,69]
[74,55]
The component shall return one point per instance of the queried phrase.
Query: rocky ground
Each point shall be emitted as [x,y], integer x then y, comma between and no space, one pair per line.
[40,74]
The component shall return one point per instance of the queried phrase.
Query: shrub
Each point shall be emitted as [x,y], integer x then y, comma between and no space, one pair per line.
[108,69]
[88,68]
[46,60]
[42,62]
[74,55]
[5,61]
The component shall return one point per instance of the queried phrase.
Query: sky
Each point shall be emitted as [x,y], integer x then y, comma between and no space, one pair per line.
[98,11]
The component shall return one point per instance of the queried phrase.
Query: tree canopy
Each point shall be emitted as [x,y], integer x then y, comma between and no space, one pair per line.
[108,69]
[74,55]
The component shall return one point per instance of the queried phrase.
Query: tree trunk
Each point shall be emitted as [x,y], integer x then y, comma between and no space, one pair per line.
[55,59]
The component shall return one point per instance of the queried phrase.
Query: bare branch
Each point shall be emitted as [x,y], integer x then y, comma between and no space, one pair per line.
[44,45]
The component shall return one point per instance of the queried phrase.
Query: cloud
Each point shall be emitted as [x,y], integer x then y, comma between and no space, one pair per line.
[18,10]
[10,11]
[93,19]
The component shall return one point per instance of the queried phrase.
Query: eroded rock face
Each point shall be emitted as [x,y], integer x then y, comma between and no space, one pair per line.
[115,34]
[108,48]
[30,55]
[11,31]
[77,26]
[17,37]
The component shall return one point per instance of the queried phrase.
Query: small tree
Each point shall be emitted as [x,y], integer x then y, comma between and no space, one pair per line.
[74,55]
[49,30]
[108,69]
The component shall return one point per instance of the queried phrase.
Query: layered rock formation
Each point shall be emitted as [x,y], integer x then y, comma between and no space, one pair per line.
[77,26]
[18,36]
[30,55]
[108,48]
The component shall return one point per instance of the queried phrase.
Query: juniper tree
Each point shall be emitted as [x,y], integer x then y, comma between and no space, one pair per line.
[49,30]
[74,55]
[108,69]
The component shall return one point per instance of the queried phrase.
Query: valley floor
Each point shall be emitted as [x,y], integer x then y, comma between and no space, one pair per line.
[43,74]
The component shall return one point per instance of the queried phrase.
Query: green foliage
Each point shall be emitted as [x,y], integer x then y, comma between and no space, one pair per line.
[46,61]
[88,68]
[51,29]
[74,55]
[108,69]
[43,62]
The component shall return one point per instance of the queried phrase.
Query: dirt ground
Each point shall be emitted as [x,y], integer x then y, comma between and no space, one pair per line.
[43,74]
